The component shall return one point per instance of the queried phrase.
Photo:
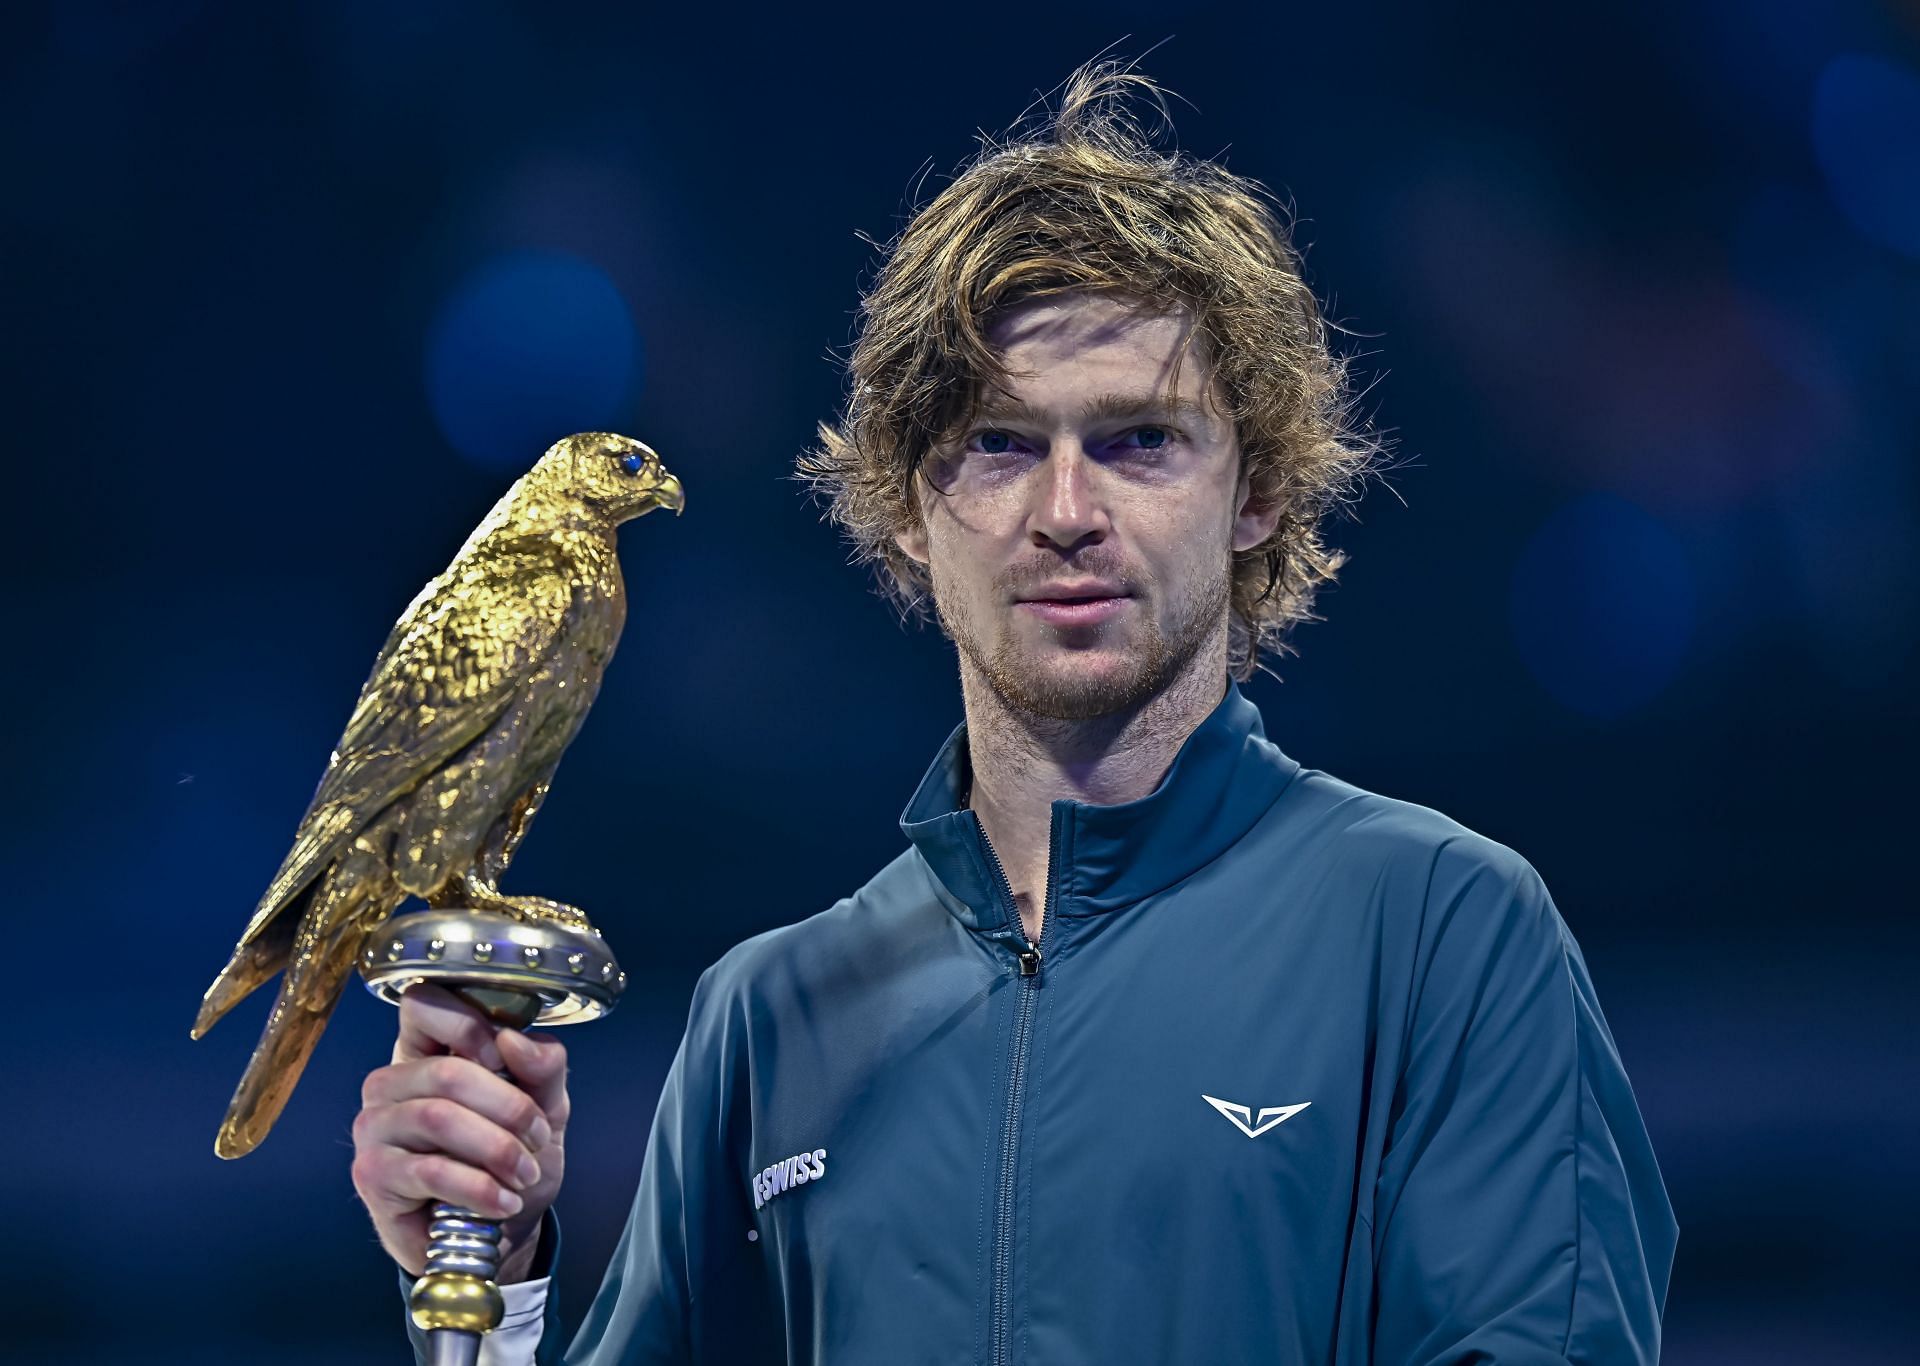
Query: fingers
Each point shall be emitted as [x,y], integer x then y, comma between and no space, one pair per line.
[486,1160]
[397,1184]
[464,1083]
[539,1067]
[439,1124]
[433,1021]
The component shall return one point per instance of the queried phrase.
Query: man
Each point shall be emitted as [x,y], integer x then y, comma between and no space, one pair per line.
[1153,1046]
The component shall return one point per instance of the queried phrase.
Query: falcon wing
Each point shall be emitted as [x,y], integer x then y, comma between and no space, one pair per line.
[455,659]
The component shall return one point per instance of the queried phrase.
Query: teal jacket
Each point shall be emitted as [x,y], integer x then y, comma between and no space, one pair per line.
[1297,1073]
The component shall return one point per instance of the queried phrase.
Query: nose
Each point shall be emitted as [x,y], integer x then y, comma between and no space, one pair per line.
[1068,511]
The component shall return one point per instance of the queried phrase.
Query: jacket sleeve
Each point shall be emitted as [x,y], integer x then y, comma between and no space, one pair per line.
[1519,1214]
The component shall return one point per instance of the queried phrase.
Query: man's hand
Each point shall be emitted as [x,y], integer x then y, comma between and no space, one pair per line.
[437,1124]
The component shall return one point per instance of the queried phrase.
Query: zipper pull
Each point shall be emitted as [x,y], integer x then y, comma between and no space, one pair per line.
[1029,960]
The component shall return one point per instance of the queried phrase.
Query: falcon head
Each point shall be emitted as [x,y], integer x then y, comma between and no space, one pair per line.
[617,475]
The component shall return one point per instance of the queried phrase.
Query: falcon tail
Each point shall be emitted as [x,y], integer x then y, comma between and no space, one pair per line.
[253,963]
[277,1063]
[345,913]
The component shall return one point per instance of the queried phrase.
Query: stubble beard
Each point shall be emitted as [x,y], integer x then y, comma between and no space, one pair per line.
[1065,693]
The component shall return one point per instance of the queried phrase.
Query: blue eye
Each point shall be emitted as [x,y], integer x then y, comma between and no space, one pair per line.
[995,443]
[633,464]
[1151,438]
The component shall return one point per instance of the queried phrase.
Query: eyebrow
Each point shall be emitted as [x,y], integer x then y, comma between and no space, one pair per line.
[1102,408]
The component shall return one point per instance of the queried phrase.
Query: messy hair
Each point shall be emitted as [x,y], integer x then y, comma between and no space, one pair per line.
[1084,200]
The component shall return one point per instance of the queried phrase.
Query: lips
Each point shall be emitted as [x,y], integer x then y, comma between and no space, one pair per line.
[1077,608]
[1082,590]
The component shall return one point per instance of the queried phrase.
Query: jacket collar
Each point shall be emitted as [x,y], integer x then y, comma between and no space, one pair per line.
[1224,778]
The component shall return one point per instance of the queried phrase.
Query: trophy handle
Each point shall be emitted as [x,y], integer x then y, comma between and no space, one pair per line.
[458,1301]
[517,973]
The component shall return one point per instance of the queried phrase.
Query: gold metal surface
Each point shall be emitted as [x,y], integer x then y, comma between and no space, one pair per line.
[466,1304]
[480,687]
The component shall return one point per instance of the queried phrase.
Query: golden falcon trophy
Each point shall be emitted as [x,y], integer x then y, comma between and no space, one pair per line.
[480,688]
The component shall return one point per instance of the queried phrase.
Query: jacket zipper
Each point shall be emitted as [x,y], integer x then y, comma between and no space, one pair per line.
[1028,962]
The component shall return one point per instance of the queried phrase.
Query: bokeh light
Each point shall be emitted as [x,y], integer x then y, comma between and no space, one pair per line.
[1866,134]
[528,348]
[1603,605]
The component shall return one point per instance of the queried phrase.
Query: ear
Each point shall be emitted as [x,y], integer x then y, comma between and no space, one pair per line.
[1253,521]
[912,540]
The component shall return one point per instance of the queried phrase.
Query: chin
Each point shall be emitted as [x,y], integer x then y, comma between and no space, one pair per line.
[1078,686]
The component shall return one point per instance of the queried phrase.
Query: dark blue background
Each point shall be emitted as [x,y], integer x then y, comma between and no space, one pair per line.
[292,293]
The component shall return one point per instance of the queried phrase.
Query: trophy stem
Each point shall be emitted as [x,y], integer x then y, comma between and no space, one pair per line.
[449,1347]
[458,1299]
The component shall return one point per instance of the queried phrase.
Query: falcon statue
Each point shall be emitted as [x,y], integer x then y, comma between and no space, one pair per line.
[478,691]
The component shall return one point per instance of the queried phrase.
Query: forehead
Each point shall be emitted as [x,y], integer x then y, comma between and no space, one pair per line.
[1074,341]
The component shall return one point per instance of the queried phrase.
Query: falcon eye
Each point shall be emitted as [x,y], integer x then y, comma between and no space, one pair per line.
[633,464]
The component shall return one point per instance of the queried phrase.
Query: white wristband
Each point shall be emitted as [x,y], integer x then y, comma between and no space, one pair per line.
[517,1339]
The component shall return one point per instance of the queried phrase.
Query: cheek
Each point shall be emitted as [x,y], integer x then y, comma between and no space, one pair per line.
[964,542]
[1183,534]
[944,556]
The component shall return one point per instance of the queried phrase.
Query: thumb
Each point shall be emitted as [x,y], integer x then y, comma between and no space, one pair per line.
[433,1020]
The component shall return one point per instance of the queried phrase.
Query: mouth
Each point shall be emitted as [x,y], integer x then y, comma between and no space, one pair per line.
[1089,608]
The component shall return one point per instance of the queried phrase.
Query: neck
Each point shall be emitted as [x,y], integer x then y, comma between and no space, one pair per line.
[533,508]
[1022,762]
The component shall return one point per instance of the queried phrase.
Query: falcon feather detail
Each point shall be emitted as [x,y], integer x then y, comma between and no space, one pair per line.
[479,689]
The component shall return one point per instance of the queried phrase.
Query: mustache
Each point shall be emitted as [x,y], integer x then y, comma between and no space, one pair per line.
[1094,563]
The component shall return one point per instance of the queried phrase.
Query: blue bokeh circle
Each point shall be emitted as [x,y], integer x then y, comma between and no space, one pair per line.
[1866,135]
[531,346]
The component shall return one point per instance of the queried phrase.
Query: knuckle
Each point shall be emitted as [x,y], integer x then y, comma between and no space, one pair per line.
[440,1175]
[438,1117]
[367,1176]
[430,1175]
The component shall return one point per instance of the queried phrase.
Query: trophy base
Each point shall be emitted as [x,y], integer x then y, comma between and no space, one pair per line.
[518,972]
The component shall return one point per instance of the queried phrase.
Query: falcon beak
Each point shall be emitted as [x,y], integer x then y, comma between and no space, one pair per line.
[668,494]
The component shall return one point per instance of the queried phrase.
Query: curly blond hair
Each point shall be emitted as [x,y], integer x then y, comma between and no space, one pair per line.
[1084,201]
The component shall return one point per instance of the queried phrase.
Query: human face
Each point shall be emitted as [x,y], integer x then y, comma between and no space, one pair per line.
[1079,534]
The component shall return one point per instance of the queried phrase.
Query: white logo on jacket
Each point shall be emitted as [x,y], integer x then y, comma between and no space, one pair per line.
[788,1173]
[1243,1117]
